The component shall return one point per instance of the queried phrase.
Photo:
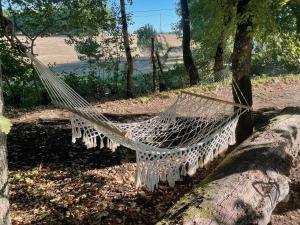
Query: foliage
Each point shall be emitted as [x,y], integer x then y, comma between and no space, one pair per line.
[87,18]
[294,5]
[93,85]
[88,48]
[144,36]
[81,21]
[277,38]
[71,17]
[175,77]
[279,56]
[5,124]
[36,18]
[274,27]
[18,77]
[208,20]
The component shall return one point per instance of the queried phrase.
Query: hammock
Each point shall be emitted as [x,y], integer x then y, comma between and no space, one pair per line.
[193,131]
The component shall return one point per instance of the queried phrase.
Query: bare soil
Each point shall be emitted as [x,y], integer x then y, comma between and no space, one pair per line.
[53,181]
[54,50]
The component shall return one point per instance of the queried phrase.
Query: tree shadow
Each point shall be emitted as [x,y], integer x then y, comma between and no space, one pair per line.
[293,202]
[249,156]
[248,215]
[252,157]
[48,143]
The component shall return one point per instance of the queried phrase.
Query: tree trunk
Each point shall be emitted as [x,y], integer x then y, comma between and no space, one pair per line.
[219,62]
[248,184]
[16,99]
[186,44]
[241,66]
[4,202]
[219,56]
[295,7]
[154,73]
[7,27]
[162,79]
[127,49]
[34,75]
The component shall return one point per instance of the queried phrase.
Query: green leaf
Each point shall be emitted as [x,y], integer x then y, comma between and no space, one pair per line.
[5,125]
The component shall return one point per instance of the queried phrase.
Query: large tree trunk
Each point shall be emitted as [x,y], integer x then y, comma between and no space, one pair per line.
[247,185]
[241,66]
[127,49]
[4,202]
[186,44]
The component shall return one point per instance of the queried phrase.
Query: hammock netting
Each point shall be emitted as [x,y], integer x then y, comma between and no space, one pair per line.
[192,132]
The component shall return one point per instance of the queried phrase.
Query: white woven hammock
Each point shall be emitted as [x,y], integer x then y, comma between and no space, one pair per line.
[188,135]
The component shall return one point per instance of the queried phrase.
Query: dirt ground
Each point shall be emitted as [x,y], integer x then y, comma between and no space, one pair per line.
[54,50]
[53,181]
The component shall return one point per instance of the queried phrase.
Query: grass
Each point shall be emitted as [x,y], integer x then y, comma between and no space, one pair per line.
[266,79]
[203,88]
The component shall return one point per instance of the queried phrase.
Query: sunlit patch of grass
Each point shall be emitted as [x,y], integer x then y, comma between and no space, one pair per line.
[22,177]
[208,87]
[266,79]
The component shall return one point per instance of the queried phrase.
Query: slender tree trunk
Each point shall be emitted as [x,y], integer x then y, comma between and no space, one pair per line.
[154,73]
[241,65]
[219,61]
[16,99]
[186,44]
[162,79]
[6,26]
[127,49]
[295,7]
[159,62]
[4,202]
[219,56]
[33,75]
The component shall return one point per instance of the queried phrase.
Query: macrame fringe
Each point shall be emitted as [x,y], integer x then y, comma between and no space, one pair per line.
[151,171]
[90,137]
[169,166]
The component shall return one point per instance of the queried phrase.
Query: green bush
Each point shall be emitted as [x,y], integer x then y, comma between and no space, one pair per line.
[175,77]
[279,56]
[21,85]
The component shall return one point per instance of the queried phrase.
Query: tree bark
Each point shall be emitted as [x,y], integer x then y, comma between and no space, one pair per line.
[295,6]
[126,43]
[219,61]
[154,73]
[241,66]
[4,201]
[219,56]
[162,79]
[248,184]
[159,62]
[7,27]
[186,44]
[33,74]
